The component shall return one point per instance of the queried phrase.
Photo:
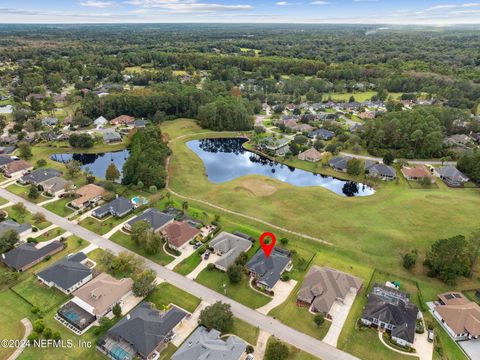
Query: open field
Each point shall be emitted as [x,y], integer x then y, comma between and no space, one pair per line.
[376,230]
[59,207]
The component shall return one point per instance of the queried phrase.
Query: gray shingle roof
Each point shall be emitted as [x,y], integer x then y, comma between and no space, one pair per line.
[207,345]
[111,136]
[452,173]
[39,176]
[66,272]
[383,170]
[154,217]
[12,225]
[28,253]
[397,311]
[231,246]
[119,205]
[144,327]
[4,160]
[339,162]
[269,269]
[322,134]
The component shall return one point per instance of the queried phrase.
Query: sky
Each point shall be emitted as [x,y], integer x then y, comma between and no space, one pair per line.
[398,12]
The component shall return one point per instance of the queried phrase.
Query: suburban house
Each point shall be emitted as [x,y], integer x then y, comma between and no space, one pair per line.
[111,137]
[100,122]
[140,124]
[322,134]
[204,344]
[67,274]
[26,255]
[17,168]
[118,207]
[37,177]
[390,309]
[143,333]
[87,195]
[179,233]
[274,144]
[266,271]
[339,163]
[49,121]
[22,230]
[4,160]
[457,140]
[57,186]
[417,173]
[312,155]
[451,176]
[122,120]
[382,171]
[157,219]
[323,286]
[92,301]
[228,247]
[458,315]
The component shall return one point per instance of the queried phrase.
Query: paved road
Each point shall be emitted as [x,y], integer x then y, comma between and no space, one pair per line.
[417,162]
[265,323]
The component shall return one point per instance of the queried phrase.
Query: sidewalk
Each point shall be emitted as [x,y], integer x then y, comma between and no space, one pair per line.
[28,329]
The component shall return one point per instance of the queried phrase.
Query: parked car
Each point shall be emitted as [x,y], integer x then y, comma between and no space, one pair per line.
[431,335]
[197,245]
[206,255]
[249,357]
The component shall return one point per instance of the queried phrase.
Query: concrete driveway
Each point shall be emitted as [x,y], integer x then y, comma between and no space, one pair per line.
[339,313]
[282,290]
[261,345]
[188,325]
[186,252]
[202,265]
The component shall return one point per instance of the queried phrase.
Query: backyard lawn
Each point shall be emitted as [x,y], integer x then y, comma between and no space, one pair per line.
[40,295]
[126,241]
[12,310]
[165,294]
[59,207]
[241,292]
[25,217]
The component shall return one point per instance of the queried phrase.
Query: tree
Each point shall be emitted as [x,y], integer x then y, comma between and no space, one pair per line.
[469,164]
[184,206]
[24,150]
[38,217]
[8,277]
[7,240]
[217,316]
[355,167]
[47,333]
[73,168]
[112,173]
[409,259]
[319,319]
[82,140]
[226,113]
[41,162]
[139,230]
[388,158]
[117,310]
[33,192]
[144,283]
[448,259]
[235,273]
[276,350]
[38,326]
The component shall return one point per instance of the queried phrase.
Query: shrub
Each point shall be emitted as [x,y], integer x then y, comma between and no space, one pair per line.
[319,319]
[210,267]
[47,333]
[38,326]
[32,337]
[250,349]
[41,162]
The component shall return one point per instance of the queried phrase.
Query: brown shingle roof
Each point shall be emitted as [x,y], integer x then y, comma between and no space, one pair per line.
[417,172]
[16,166]
[87,193]
[178,233]
[122,119]
[460,314]
[104,291]
[311,154]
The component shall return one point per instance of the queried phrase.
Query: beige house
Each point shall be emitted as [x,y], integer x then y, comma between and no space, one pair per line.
[87,194]
[17,168]
[312,155]
[57,186]
[460,316]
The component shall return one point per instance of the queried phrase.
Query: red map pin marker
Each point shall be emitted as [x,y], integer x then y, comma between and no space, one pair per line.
[267,248]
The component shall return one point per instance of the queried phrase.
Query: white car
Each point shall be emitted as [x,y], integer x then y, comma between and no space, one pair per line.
[249,357]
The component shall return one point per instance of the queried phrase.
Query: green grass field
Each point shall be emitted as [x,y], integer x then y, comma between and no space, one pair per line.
[101,227]
[165,294]
[38,294]
[293,352]
[241,292]
[189,264]
[23,192]
[50,234]
[25,218]
[245,331]
[59,207]
[126,241]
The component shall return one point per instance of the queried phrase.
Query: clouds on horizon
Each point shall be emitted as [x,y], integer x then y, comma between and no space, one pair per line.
[431,12]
